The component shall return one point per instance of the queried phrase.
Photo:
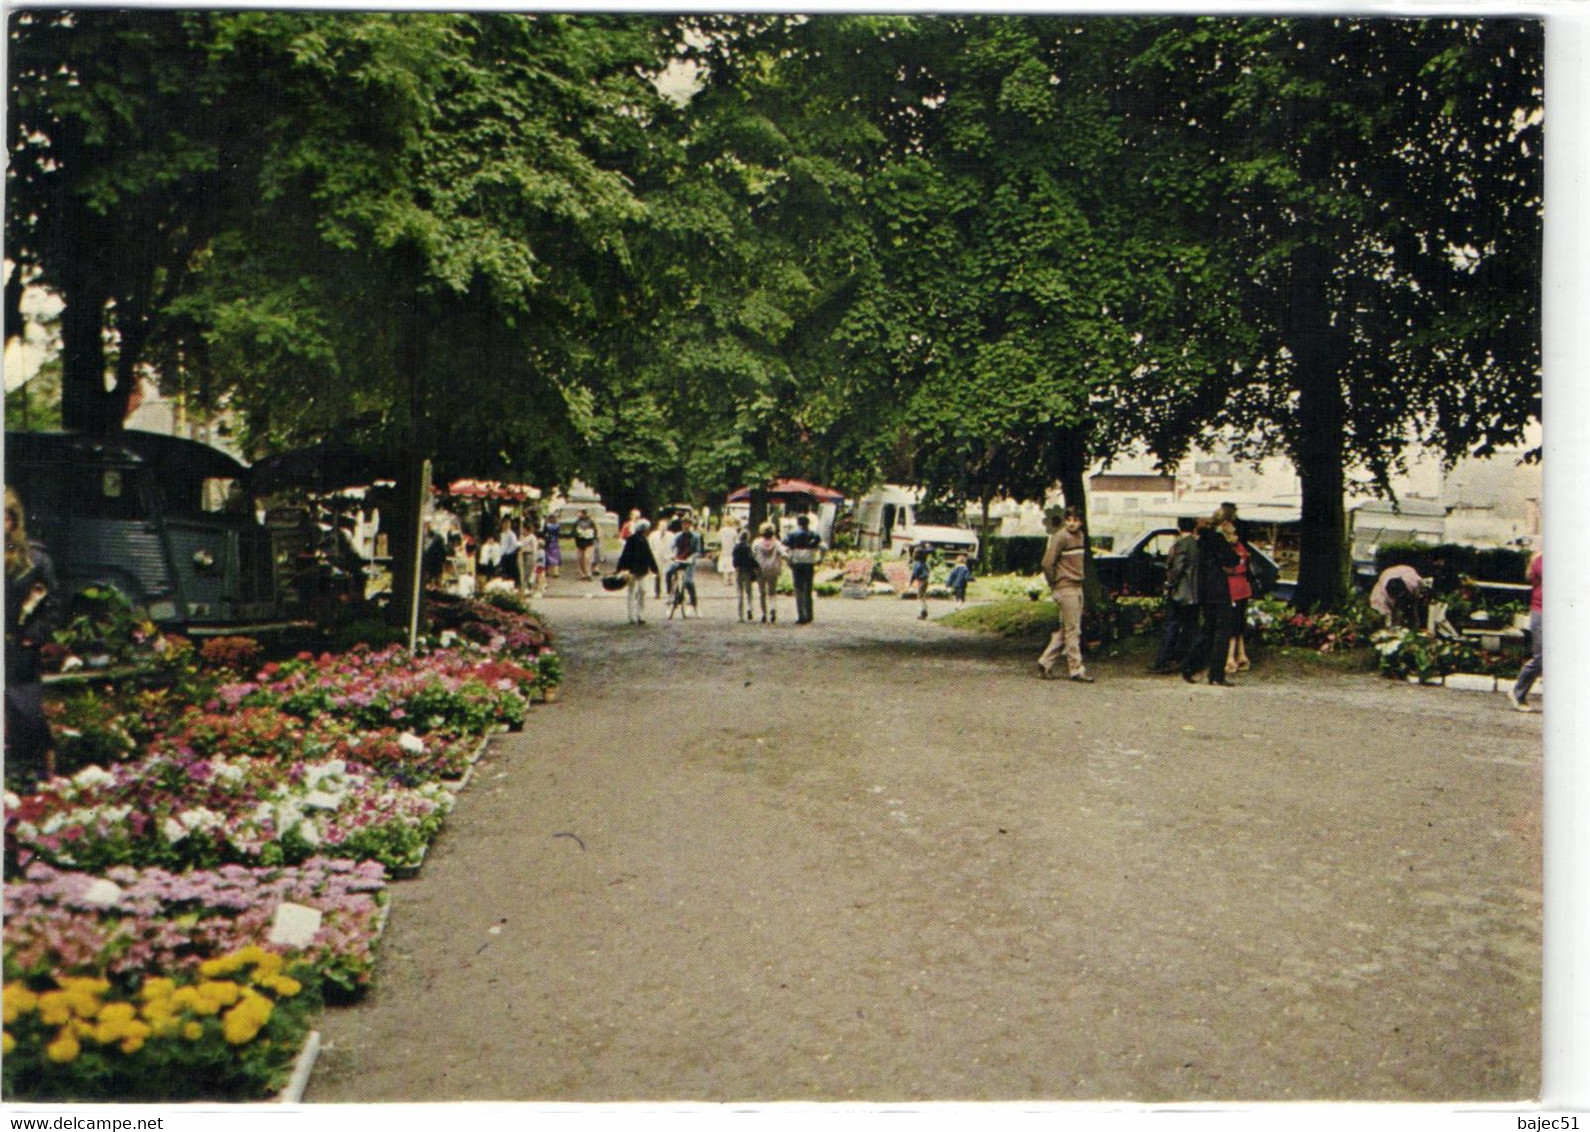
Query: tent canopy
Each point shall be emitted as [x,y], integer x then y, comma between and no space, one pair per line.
[791,489]
[493,489]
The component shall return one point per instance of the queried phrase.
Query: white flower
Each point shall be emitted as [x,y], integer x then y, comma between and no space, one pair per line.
[315,776]
[411,743]
[321,800]
[310,833]
[448,638]
[71,664]
[101,893]
[199,818]
[12,800]
[229,773]
[27,831]
[173,830]
[92,776]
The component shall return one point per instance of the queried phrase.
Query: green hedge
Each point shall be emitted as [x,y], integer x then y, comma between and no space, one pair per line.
[1486,564]
[1013,554]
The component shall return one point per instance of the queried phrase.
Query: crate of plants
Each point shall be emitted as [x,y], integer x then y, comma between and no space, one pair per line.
[233,1028]
[324,916]
[180,810]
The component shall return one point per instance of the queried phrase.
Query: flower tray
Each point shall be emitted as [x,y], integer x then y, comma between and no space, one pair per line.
[457,785]
[303,1065]
[409,869]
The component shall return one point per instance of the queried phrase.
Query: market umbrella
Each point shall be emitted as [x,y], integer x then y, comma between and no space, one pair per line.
[791,489]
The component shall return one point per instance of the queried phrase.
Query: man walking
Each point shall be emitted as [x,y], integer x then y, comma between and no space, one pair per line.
[803,544]
[1063,561]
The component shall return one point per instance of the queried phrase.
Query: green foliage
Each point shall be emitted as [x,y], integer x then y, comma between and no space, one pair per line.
[1013,554]
[371,631]
[1407,652]
[1490,564]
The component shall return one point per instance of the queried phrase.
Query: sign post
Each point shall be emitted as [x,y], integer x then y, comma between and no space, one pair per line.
[418,579]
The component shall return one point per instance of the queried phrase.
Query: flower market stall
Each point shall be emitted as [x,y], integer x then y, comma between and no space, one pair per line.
[212,861]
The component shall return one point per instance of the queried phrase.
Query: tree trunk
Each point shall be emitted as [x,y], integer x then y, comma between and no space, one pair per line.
[758,514]
[410,489]
[1320,436]
[86,405]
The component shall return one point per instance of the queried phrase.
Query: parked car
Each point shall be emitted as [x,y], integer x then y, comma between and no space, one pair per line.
[1140,568]
[167,522]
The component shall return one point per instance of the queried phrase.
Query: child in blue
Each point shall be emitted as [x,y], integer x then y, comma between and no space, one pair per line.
[919,578]
[957,580]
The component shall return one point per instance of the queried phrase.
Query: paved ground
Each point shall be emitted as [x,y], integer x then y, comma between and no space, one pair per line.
[876,859]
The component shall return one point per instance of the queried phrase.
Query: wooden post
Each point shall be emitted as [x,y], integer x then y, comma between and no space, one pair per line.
[417,576]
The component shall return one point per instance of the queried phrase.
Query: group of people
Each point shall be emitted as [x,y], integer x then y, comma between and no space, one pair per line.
[754,564]
[523,551]
[1211,574]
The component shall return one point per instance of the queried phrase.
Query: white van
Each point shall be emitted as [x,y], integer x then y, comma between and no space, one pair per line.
[894,518]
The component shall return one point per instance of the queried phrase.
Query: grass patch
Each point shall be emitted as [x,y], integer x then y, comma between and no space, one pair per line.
[1009,618]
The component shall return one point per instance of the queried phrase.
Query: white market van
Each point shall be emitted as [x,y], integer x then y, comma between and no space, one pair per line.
[895,519]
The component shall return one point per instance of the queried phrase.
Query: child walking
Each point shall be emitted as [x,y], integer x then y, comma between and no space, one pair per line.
[919,579]
[958,579]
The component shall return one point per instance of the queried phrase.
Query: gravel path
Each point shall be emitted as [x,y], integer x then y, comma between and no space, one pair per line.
[876,859]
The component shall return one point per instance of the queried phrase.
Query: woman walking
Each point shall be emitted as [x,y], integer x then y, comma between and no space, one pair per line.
[1240,584]
[769,554]
[551,534]
[636,561]
[585,538]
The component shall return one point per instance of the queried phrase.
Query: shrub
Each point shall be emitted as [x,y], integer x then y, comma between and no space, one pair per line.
[236,654]
[1491,564]
[1012,554]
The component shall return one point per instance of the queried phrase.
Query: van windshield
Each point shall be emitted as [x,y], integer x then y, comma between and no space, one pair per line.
[937,515]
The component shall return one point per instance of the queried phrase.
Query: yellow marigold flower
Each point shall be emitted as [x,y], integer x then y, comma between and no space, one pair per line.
[7,1043]
[85,985]
[55,1009]
[164,1025]
[18,1000]
[184,998]
[118,1013]
[156,988]
[132,1043]
[283,986]
[239,1025]
[63,1049]
[269,962]
[220,993]
[193,1031]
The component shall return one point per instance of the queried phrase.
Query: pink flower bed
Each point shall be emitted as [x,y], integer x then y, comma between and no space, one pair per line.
[132,921]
